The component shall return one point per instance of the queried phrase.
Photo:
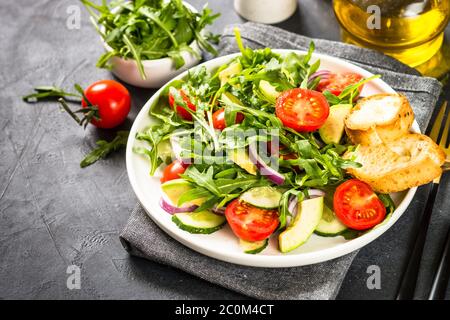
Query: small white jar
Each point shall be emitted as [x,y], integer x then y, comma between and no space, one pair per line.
[265,11]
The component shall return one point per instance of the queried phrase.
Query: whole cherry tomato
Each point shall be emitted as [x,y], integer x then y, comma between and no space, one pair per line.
[111,100]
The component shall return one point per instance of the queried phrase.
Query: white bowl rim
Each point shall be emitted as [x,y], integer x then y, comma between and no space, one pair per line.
[152,62]
[269,261]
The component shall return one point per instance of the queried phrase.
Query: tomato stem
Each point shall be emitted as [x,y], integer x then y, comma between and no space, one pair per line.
[89,112]
[68,110]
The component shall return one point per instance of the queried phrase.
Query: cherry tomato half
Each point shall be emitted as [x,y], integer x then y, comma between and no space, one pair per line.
[357,206]
[251,223]
[112,100]
[302,109]
[180,110]
[337,82]
[173,171]
[219,119]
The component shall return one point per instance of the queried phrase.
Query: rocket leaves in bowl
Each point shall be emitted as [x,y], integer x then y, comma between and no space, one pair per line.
[151,29]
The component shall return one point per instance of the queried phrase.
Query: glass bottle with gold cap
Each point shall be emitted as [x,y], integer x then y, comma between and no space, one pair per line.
[410,30]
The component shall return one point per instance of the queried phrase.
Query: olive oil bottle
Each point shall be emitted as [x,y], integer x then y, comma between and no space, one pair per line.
[409,30]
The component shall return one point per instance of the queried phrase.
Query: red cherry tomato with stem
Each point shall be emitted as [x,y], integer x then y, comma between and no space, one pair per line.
[111,99]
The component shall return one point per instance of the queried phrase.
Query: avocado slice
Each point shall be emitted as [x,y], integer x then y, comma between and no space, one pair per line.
[174,189]
[242,159]
[229,71]
[232,98]
[333,129]
[305,222]
[268,90]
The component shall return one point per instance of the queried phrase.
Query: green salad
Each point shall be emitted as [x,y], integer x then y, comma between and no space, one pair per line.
[260,144]
[150,29]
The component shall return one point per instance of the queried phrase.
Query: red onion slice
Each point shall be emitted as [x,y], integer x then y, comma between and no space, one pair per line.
[219,211]
[314,193]
[263,168]
[169,208]
[293,204]
[324,74]
[292,208]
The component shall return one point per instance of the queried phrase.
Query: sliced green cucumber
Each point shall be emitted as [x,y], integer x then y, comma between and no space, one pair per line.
[268,90]
[333,129]
[262,197]
[174,189]
[253,247]
[305,222]
[329,225]
[203,222]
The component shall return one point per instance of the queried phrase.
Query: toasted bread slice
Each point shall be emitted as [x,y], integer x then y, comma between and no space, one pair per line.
[379,118]
[407,162]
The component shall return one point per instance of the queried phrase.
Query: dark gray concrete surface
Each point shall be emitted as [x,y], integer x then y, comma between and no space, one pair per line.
[54,214]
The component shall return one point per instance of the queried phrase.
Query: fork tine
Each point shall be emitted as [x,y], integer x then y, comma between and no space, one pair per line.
[442,137]
[446,134]
[434,134]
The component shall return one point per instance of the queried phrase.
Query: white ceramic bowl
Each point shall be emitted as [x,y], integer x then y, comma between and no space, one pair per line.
[223,244]
[158,71]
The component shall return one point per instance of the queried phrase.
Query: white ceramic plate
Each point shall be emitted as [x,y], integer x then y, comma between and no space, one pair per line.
[223,245]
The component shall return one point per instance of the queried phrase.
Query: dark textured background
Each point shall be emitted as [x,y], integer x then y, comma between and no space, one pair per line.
[54,214]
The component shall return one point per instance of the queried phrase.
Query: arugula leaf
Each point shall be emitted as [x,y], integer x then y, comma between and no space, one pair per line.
[351,234]
[105,148]
[136,55]
[154,136]
[349,94]
[49,92]
[203,179]
[274,121]
[225,189]
[199,117]
[352,91]
[388,202]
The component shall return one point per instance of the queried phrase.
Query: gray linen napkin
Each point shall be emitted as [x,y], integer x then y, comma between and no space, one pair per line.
[141,236]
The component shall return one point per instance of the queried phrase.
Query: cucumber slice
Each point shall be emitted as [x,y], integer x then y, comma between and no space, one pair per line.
[305,222]
[262,197]
[253,247]
[203,222]
[329,225]
[174,189]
